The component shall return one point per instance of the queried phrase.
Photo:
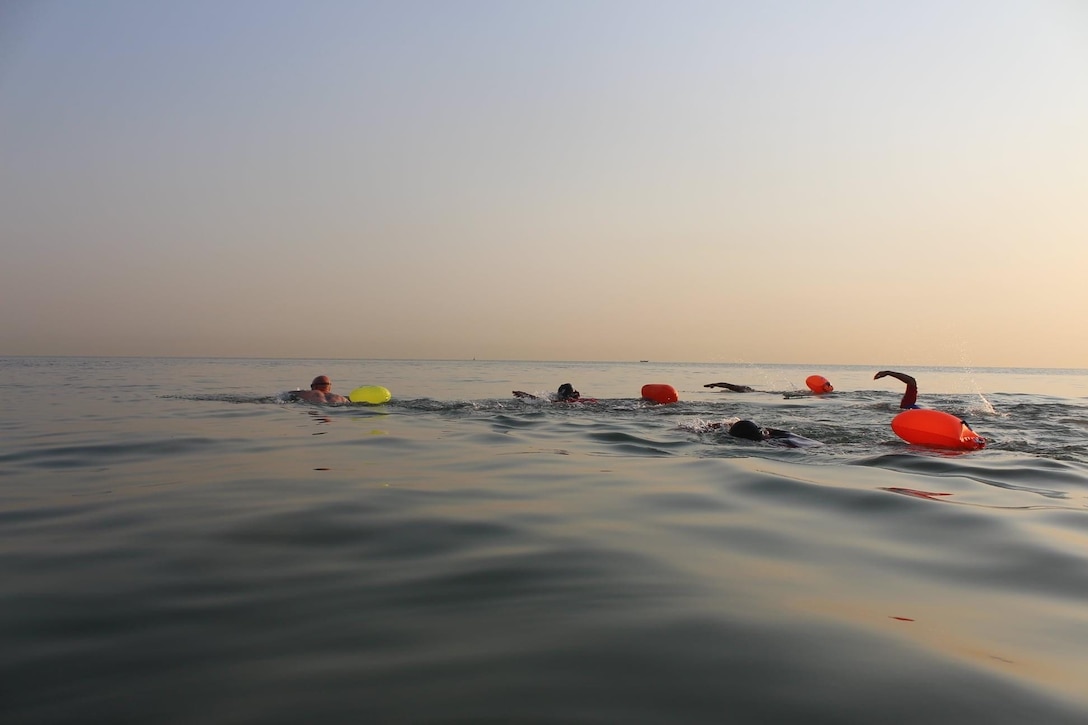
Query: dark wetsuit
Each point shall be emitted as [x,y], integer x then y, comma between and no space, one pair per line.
[910,398]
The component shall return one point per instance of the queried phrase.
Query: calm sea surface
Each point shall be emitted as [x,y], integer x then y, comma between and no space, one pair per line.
[178,544]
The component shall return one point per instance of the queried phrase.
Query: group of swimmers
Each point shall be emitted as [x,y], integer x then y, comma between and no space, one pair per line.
[747,429]
[751,431]
[321,392]
[909,398]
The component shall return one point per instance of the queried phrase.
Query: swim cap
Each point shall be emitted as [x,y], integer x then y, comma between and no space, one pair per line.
[746,429]
[567,391]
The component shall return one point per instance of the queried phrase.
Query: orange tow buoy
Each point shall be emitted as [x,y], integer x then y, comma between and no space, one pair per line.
[936,429]
[660,393]
[819,384]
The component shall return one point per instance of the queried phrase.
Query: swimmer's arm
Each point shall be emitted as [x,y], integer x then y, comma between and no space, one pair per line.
[523,394]
[730,386]
[901,377]
[911,396]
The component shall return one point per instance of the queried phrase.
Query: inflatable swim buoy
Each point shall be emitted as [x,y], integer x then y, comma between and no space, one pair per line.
[660,393]
[372,394]
[936,429]
[819,384]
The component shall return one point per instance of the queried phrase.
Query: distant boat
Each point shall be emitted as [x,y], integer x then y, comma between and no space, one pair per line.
[644,361]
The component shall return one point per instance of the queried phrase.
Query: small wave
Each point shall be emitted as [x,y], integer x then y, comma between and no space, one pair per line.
[277,398]
[57,457]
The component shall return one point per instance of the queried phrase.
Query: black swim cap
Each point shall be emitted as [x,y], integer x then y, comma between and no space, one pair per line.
[746,429]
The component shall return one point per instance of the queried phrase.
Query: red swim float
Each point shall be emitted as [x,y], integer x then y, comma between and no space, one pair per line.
[936,429]
[819,384]
[660,393]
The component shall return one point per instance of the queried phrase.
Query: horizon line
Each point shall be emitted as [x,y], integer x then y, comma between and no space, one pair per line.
[527,360]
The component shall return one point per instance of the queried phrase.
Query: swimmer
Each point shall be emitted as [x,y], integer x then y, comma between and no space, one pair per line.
[750,430]
[911,396]
[786,393]
[731,386]
[320,392]
[565,394]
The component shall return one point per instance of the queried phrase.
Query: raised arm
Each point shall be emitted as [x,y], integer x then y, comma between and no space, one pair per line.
[911,396]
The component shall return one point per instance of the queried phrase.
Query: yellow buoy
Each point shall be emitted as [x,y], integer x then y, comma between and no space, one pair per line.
[372,394]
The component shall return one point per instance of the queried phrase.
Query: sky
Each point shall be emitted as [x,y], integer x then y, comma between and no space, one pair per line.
[784,181]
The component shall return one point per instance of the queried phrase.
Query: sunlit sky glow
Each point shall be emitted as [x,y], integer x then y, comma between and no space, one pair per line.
[813,182]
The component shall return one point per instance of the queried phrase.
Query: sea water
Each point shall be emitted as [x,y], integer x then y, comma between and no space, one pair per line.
[181,544]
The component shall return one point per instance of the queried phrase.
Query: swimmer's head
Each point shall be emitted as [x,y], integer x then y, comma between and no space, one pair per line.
[747,429]
[567,392]
[321,381]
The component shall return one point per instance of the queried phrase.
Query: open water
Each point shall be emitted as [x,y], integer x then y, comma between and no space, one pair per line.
[180,545]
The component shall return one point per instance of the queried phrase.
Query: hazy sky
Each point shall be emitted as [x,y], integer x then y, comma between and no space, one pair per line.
[892,183]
